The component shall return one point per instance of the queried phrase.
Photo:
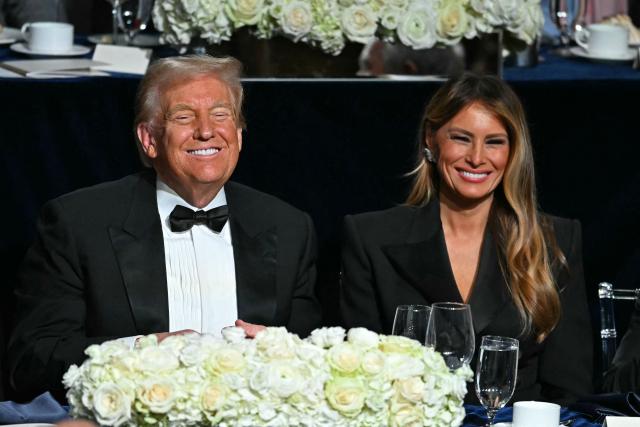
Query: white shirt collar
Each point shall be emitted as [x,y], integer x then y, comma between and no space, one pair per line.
[168,199]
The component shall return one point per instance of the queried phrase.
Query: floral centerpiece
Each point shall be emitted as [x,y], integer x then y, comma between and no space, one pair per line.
[276,379]
[329,24]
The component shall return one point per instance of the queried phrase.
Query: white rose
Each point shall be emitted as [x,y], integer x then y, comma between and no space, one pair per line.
[245,12]
[297,19]
[157,395]
[344,358]
[192,355]
[452,22]
[363,338]
[225,360]
[158,359]
[327,337]
[411,388]
[417,28]
[389,17]
[213,396]
[284,379]
[408,416]
[373,362]
[346,395]
[71,376]
[233,334]
[359,23]
[260,377]
[400,366]
[111,405]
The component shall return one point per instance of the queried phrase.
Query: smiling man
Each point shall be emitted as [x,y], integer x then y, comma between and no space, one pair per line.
[173,249]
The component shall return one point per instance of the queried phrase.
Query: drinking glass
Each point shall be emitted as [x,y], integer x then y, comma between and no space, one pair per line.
[114,20]
[133,16]
[411,321]
[559,13]
[496,373]
[450,332]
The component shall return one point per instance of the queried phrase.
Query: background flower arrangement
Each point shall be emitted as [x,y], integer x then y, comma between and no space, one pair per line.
[276,379]
[329,24]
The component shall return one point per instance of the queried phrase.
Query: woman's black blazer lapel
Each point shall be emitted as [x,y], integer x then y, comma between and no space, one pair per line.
[421,258]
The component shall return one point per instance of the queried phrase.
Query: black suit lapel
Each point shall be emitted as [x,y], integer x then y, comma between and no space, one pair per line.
[422,260]
[490,293]
[139,248]
[255,251]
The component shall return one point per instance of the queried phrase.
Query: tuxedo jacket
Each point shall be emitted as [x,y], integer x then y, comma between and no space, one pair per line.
[399,256]
[97,272]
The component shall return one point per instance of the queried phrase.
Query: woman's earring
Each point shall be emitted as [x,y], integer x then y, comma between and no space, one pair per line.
[428,154]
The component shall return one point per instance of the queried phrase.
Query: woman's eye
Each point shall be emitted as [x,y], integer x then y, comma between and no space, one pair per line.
[462,138]
[497,141]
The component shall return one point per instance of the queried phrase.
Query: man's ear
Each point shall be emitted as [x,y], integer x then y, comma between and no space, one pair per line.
[147,140]
[239,139]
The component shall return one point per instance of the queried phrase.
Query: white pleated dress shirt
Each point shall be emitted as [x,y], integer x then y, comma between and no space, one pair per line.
[201,277]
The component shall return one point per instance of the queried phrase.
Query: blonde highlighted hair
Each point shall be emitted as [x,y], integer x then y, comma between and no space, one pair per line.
[525,239]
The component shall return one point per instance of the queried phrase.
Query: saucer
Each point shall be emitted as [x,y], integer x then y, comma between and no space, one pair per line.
[10,35]
[76,50]
[141,40]
[578,51]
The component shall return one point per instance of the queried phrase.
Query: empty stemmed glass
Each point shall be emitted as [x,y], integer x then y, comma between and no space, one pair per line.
[496,373]
[114,20]
[133,16]
[411,321]
[560,12]
[450,332]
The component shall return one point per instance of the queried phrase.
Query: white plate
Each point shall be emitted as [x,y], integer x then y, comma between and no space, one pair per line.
[141,40]
[10,35]
[76,50]
[578,51]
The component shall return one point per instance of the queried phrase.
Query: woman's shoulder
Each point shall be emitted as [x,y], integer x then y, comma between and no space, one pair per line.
[567,231]
[386,225]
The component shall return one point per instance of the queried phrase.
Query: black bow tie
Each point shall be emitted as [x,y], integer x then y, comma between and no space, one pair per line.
[182,218]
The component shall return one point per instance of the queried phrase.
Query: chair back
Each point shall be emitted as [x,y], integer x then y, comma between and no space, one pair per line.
[607,295]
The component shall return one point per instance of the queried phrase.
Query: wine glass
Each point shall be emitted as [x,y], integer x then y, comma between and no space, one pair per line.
[496,373]
[450,332]
[133,16]
[115,4]
[559,12]
[411,321]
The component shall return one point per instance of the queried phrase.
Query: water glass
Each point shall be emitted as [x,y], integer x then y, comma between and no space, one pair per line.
[496,373]
[133,16]
[450,332]
[411,321]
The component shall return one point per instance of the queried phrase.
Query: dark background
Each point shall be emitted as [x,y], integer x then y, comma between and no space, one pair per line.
[332,148]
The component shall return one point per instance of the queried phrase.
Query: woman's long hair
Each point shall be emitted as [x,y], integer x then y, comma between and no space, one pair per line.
[526,241]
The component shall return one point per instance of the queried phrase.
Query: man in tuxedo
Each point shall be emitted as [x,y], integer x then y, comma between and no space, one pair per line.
[173,249]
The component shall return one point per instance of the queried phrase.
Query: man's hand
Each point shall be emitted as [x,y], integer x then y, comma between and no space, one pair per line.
[162,335]
[249,328]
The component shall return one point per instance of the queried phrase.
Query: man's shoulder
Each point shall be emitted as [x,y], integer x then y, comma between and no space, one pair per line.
[107,195]
[250,198]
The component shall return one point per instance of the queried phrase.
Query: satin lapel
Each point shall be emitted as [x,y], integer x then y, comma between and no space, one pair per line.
[139,248]
[255,251]
[422,259]
[490,293]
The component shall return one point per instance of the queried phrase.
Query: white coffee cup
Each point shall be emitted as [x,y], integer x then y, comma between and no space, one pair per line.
[48,37]
[604,40]
[536,414]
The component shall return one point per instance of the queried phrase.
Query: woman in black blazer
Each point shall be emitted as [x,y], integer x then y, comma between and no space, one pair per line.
[470,232]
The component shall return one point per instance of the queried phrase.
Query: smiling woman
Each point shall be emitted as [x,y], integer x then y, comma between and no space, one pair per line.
[471,232]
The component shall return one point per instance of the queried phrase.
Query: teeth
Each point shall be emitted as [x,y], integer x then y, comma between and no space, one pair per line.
[204,152]
[474,175]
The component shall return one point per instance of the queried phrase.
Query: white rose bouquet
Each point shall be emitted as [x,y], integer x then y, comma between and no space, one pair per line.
[276,379]
[329,24]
